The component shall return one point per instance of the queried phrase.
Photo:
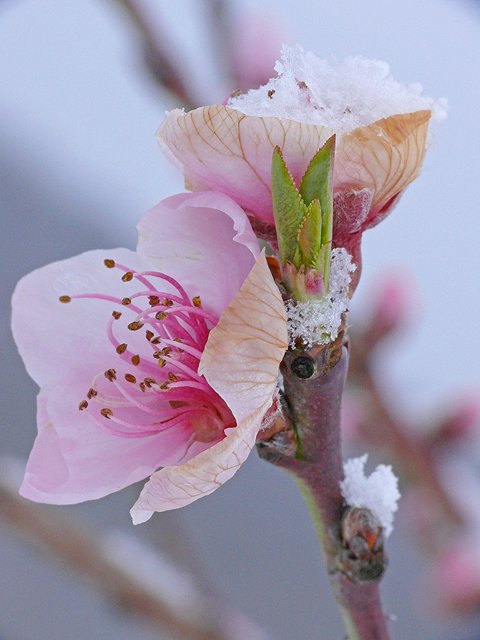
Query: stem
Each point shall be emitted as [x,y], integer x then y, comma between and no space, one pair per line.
[158,53]
[410,450]
[316,463]
[88,553]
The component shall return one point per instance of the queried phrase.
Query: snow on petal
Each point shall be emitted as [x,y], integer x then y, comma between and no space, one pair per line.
[384,157]
[240,362]
[221,149]
[377,492]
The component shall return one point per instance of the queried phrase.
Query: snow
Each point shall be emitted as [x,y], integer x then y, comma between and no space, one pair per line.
[377,492]
[318,321]
[343,96]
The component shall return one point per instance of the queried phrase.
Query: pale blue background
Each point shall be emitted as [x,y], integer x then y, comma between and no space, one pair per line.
[79,165]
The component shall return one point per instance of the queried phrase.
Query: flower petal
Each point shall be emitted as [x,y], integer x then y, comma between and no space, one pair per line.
[383,157]
[204,240]
[52,337]
[74,459]
[240,362]
[222,149]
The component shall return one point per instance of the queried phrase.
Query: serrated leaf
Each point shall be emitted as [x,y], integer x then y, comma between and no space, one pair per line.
[317,183]
[288,208]
[310,236]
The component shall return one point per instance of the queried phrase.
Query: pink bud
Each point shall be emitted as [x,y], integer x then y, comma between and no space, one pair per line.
[463,419]
[392,302]
[457,577]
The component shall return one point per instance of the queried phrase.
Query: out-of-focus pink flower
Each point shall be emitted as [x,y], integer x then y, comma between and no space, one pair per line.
[166,359]
[255,45]
[456,577]
[392,300]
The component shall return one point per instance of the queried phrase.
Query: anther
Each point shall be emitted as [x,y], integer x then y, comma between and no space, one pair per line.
[149,381]
[153,301]
[165,385]
[106,412]
[135,360]
[110,374]
[116,314]
[127,276]
[135,325]
[126,301]
[197,301]
[91,393]
[172,377]
[83,405]
[161,315]
[149,334]
[121,348]
[65,299]
[109,263]
[166,302]
[161,362]
[303,367]
[156,340]
[142,386]
[130,378]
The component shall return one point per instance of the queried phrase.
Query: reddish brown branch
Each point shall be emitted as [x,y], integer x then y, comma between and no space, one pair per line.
[411,454]
[86,553]
[314,383]
[158,54]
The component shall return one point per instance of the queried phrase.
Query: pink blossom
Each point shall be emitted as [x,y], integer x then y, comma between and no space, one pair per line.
[220,148]
[167,359]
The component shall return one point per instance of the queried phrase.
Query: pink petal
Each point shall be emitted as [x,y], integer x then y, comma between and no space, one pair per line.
[74,459]
[221,149]
[240,362]
[204,240]
[383,157]
[53,337]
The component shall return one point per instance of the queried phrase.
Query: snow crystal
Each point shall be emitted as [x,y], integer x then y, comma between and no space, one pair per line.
[318,321]
[377,492]
[351,94]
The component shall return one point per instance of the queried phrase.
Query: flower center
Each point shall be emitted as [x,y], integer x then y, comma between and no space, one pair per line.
[153,383]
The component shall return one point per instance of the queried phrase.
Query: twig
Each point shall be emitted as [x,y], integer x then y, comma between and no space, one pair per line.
[411,453]
[314,382]
[158,58]
[197,618]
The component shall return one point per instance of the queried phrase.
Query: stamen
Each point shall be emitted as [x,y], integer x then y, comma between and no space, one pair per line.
[149,334]
[135,360]
[130,378]
[153,301]
[135,325]
[83,405]
[110,374]
[121,348]
[127,276]
[116,314]
[161,315]
[197,301]
[126,301]
[109,263]
[106,412]
[91,393]
[65,299]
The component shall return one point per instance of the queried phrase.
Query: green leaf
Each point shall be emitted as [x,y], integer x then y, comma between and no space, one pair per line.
[317,183]
[310,237]
[289,210]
